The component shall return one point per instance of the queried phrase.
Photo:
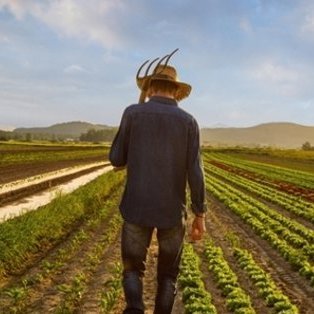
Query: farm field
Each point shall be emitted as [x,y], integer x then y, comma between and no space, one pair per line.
[257,256]
[19,161]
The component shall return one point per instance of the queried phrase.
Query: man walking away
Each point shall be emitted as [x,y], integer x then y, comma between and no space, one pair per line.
[158,142]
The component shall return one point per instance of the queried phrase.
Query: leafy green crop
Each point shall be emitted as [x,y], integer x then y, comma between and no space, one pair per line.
[194,295]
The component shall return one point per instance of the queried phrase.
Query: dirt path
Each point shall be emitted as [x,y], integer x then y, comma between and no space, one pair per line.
[150,284]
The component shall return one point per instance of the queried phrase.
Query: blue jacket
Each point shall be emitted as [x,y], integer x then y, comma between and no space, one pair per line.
[159,144]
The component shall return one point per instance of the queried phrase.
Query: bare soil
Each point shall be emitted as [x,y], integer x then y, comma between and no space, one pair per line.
[11,196]
[22,171]
[220,220]
[307,194]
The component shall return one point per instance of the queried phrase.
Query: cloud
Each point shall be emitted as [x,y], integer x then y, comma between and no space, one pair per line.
[92,20]
[307,27]
[274,72]
[240,56]
[74,68]
[291,81]
[18,7]
[303,20]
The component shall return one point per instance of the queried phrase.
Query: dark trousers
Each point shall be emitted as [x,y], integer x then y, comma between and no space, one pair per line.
[134,245]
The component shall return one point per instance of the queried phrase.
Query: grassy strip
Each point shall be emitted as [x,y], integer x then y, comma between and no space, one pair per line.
[33,232]
[194,295]
[236,299]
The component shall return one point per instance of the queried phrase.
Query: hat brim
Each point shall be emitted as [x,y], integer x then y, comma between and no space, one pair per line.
[183,90]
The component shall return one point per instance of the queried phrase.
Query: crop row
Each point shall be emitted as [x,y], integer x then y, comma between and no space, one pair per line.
[23,237]
[299,236]
[45,146]
[74,291]
[267,288]
[300,178]
[293,232]
[12,158]
[112,289]
[51,265]
[237,300]
[295,257]
[289,202]
[195,297]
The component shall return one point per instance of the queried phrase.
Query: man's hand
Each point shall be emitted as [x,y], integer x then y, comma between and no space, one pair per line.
[198,228]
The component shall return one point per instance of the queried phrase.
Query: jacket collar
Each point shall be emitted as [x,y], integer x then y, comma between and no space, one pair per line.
[164,100]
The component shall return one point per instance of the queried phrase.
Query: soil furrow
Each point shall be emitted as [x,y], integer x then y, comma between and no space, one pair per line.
[91,299]
[284,186]
[221,220]
[9,197]
[273,206]
[50,250]
[22,171]
[47,296]
[244,281]
[218,299]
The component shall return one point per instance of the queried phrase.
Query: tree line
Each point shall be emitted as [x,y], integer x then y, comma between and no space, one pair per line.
[105,135]
[92,135]
[307,146]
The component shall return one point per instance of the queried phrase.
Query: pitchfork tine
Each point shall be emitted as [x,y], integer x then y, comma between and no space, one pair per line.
[171,54]
[148,68]
[158,64]
[167,57]
[141,67]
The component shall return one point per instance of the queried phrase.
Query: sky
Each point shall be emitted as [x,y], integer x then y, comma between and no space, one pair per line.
[248,61]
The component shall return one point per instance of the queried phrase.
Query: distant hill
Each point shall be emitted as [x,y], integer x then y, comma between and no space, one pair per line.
[63,130]
[279,134]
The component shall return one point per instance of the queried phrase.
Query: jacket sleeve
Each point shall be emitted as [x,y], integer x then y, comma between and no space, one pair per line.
[119,149]
[195,171]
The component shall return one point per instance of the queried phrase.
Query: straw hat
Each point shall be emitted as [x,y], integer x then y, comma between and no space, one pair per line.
[165,73]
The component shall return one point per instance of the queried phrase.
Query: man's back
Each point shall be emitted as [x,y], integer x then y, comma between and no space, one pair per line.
[160,139]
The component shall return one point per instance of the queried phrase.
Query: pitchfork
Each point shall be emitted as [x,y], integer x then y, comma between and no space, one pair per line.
[144,86]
